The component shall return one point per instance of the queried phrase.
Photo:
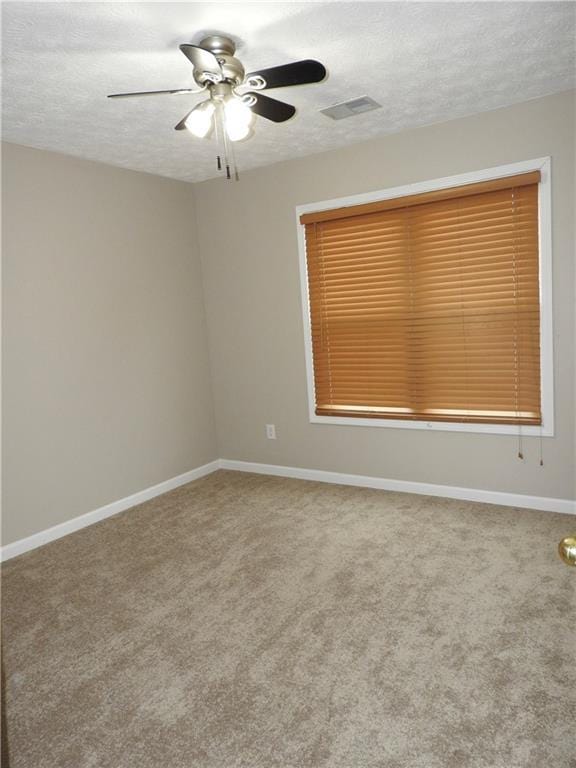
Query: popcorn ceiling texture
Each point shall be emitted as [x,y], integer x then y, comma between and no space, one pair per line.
[424,62]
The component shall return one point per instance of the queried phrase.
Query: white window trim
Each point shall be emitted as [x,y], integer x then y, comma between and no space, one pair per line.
[541,164]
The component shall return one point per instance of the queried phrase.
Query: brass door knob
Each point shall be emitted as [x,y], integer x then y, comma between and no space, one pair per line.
[567,550]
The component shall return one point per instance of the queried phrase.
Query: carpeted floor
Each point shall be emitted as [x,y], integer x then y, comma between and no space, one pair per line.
[255,622]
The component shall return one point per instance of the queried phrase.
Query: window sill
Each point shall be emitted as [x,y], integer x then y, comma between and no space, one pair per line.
[436,426]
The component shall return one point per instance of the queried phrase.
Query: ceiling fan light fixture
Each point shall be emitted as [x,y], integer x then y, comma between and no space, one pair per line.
[238,118]
[229,113]
[200,121]
[238,132]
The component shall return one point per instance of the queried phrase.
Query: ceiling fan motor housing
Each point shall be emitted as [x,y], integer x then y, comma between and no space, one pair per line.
[223,48]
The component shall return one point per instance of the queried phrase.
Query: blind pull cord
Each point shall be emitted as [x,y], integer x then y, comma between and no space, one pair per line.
[516,352]
[541,448]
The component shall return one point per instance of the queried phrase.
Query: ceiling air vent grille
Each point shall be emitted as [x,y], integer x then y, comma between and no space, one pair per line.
[350,108]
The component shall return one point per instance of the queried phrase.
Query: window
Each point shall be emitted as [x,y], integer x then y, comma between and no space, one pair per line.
[424,305]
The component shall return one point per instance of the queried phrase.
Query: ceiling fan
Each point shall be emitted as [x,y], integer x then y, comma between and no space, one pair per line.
[234,97]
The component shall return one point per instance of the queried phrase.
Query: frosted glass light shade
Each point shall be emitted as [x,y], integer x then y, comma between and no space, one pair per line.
[238,119]
[199,122]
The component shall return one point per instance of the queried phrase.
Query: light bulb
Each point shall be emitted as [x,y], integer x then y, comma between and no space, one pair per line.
[239,119]
[199,121]
[237,132]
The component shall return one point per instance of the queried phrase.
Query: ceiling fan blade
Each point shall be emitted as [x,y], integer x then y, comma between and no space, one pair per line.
[151,93]
[182,124]
[202,60]
[271,109]
[298,73]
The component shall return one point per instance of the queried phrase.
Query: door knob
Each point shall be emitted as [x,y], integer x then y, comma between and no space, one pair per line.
[567,550]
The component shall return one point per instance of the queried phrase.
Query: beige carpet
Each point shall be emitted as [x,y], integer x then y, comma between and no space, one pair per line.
[254,622]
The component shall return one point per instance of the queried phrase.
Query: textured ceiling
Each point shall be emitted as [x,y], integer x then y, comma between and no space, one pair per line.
[424,62]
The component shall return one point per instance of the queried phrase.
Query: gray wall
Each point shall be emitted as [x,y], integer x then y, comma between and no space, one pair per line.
[252,291]
[106,378]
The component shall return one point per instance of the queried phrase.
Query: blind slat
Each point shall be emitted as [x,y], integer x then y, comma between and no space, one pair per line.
[428,309]
[467,191]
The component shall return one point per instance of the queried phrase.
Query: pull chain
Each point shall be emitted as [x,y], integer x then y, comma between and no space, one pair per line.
[218,138]
[234,166]
[226,157]
[226,142]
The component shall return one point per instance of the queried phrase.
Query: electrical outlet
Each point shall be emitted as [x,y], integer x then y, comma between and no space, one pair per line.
[271,431]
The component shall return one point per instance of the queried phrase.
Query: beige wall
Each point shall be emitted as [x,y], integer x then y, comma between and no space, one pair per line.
[106,383]
[252,291]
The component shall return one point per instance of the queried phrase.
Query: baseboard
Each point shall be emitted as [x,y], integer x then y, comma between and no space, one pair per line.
[89,518]
[567,506]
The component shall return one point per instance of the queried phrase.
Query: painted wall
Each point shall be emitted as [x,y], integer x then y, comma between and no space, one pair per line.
[106,378]
[106,382]
[252,291]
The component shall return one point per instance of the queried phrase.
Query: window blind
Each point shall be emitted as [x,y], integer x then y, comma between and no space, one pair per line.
[427,307]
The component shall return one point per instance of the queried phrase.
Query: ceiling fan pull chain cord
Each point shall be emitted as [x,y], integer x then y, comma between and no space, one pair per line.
[217,132]
[226,148]
[234,165]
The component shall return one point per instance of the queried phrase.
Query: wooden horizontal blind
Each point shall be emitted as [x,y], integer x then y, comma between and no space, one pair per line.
[429,309]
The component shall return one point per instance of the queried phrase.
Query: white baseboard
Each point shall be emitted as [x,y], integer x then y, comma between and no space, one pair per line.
[63,529]
[567,506]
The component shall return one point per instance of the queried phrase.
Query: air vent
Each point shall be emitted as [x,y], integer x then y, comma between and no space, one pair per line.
[350,108]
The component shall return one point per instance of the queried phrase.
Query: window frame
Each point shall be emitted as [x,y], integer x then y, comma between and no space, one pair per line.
[546,429]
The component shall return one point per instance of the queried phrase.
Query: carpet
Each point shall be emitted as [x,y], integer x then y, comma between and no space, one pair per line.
[244,621]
